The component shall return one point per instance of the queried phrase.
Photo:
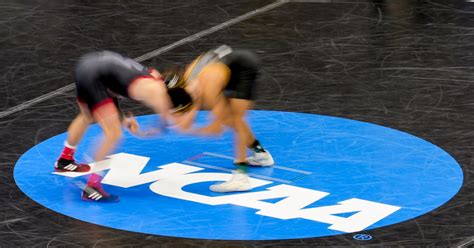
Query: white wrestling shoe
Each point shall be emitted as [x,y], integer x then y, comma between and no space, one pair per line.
[261,159]
[238,182]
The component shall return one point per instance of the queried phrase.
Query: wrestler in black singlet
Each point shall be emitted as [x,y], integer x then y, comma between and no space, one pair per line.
[100,76]
[244,67]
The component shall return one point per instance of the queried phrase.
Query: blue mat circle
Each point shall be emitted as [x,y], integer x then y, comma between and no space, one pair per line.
[344,159]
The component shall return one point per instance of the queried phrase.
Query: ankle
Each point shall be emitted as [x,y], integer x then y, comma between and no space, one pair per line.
[256,146]
[242,167]
[68,151]
[94,180]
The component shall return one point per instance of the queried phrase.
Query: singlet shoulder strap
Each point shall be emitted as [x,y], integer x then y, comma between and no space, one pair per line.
[209,57]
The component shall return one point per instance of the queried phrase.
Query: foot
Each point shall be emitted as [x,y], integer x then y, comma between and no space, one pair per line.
[98,194]
[238,182]
[261,159]
[65,165]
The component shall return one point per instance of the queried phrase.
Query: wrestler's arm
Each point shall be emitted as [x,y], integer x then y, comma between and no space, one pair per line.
[215,78]
[152,93]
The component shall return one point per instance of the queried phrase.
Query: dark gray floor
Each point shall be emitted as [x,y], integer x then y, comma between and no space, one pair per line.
[403,64]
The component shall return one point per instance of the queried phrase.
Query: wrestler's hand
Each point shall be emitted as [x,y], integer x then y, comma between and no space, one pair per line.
[214,128]
[131,124]
[156,74]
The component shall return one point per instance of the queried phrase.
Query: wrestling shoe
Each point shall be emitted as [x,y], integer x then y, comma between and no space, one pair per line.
[65,165]
[261,159]
[238,182]
[98,194]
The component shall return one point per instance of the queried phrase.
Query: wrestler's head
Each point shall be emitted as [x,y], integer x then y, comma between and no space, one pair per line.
[181,100]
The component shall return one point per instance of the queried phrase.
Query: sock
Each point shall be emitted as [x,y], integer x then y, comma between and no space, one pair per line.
[242,167]
[68,151]
[94,180]
[256,146]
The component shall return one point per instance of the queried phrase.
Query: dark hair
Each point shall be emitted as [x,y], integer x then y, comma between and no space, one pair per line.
[180,99]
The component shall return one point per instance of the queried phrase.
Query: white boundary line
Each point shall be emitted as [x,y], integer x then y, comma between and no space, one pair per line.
[465,243]
[229,170]
[39,99]
[151,54]
[311,1]
[274,166]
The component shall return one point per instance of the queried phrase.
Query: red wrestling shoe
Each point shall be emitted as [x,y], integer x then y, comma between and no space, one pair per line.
[65,165]
[94,191]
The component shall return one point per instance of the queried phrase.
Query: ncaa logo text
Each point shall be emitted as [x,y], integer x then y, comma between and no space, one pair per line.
[124,170]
